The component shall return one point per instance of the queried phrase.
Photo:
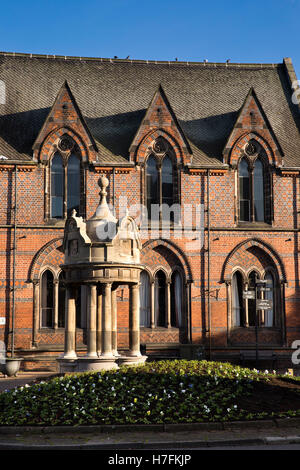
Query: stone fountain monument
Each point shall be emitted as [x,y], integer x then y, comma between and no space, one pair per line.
[102,254]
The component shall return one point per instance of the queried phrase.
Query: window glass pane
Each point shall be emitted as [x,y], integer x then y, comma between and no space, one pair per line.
[73,192]
[160,299]
[252,302]
[244,191]
[57,187]
[237,300]
[167,181]
[259,191]
[269,295]
[61,301]
[47,300]
[145,300]
[152,183]
[245,211]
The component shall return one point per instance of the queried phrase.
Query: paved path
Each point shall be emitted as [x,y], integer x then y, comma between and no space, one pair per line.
[6,383]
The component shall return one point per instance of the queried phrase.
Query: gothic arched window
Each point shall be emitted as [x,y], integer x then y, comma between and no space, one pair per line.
[145,300]
[47,300]
[237,299]
[254,185]
[65,178]
[161,182]
[176,300]
[160,299]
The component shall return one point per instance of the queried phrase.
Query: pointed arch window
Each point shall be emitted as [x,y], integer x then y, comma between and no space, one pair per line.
[244,309]
[66,183]
[145,300]
[237,299]
[47,300]
[176,300]
[160,299]
[161,182]
[254,187]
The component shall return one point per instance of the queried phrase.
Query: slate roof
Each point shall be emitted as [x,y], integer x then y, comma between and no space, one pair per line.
[113,96]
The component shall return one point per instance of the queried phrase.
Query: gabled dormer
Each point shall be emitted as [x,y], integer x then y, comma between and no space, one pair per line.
[64,119]
[160,121]
[252,124]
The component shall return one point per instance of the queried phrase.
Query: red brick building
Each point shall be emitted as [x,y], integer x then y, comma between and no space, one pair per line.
[220,137]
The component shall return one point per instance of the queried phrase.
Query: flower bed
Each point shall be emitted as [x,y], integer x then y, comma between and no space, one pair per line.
[157,392]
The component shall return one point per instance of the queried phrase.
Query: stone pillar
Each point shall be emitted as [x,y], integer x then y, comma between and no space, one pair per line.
[229,308]
[36,310]
[106,322]
[134,320]
[152,307]
[55,285]
[168,304]
[114,340]
[91,321]
[99,321]
[70,328]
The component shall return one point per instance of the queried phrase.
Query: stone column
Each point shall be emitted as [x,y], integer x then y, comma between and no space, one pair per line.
[152,307]
[36,310]
[91,321]
[106,322]
[114,340]
[168,304]
[70,328]
[229,308]
[55,284]
[134,320]
[99,321]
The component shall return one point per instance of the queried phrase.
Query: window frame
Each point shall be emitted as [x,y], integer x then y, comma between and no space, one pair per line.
[244,322]
[159,157]
[266,188]
[65,156]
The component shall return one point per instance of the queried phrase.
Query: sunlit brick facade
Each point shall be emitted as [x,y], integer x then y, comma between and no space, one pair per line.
[231,133]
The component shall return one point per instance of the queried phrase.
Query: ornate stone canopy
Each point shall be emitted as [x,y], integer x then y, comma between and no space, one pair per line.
[102,253]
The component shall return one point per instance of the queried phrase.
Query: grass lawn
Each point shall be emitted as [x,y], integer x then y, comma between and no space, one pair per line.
[157,392]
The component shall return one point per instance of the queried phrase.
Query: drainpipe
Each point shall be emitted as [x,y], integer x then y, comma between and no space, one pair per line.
[208,268]
[14,269]
[113,198]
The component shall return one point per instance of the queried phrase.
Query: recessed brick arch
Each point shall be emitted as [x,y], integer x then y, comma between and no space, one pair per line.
[142,150]
[168,249]
[242,253]
[241,142]
[49,255]
[48,144]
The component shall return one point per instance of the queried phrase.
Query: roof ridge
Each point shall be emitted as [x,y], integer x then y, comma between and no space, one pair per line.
[142,61]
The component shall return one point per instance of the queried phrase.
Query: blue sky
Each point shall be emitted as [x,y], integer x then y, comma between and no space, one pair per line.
[242,31]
